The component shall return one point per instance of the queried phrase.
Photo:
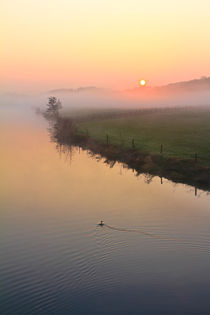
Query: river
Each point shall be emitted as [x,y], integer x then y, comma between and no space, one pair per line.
[152,256]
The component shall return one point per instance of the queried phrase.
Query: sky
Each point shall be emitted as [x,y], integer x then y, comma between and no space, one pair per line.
[47,44]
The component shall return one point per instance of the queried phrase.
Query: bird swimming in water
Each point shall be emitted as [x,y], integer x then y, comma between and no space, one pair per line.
[101,223]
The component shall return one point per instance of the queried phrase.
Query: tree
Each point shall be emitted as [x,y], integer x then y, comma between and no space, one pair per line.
[53,106]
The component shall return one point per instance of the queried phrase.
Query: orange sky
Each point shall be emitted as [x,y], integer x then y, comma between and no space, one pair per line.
[65,43]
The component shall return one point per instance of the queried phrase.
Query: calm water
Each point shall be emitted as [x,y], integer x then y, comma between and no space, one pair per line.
[153,258]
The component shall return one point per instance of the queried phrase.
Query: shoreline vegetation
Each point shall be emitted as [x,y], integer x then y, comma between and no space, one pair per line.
[132,137]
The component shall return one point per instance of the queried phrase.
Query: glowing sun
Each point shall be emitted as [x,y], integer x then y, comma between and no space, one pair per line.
[142,82]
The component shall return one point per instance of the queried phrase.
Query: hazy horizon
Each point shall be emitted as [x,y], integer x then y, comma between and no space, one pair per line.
[194,84]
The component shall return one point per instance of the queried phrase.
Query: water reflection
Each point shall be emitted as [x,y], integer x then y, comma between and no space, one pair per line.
[67,152]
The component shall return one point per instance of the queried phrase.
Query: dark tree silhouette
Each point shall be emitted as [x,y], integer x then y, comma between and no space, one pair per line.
[53,106]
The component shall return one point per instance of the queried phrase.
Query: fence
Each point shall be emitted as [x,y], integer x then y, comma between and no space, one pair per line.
[137,144]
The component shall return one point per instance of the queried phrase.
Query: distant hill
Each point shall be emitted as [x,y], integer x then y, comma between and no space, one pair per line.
[197,84]
[78,90]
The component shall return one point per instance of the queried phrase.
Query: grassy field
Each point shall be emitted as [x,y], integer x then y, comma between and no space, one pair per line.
[182,132]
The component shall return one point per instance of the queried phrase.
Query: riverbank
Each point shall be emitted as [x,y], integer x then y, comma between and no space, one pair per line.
[175,133]
[191,171]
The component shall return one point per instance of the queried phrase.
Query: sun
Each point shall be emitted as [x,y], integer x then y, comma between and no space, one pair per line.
[142,82]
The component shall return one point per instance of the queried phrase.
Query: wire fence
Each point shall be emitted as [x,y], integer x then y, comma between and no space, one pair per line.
[165,150]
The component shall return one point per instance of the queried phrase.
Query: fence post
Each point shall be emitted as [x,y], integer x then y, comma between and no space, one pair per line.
[196,191]
[161,148]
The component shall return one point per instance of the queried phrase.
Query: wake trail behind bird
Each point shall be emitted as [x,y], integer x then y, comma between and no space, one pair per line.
[178,241]
[134,231]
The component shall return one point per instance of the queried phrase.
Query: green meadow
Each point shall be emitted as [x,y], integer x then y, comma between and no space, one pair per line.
[181,132]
